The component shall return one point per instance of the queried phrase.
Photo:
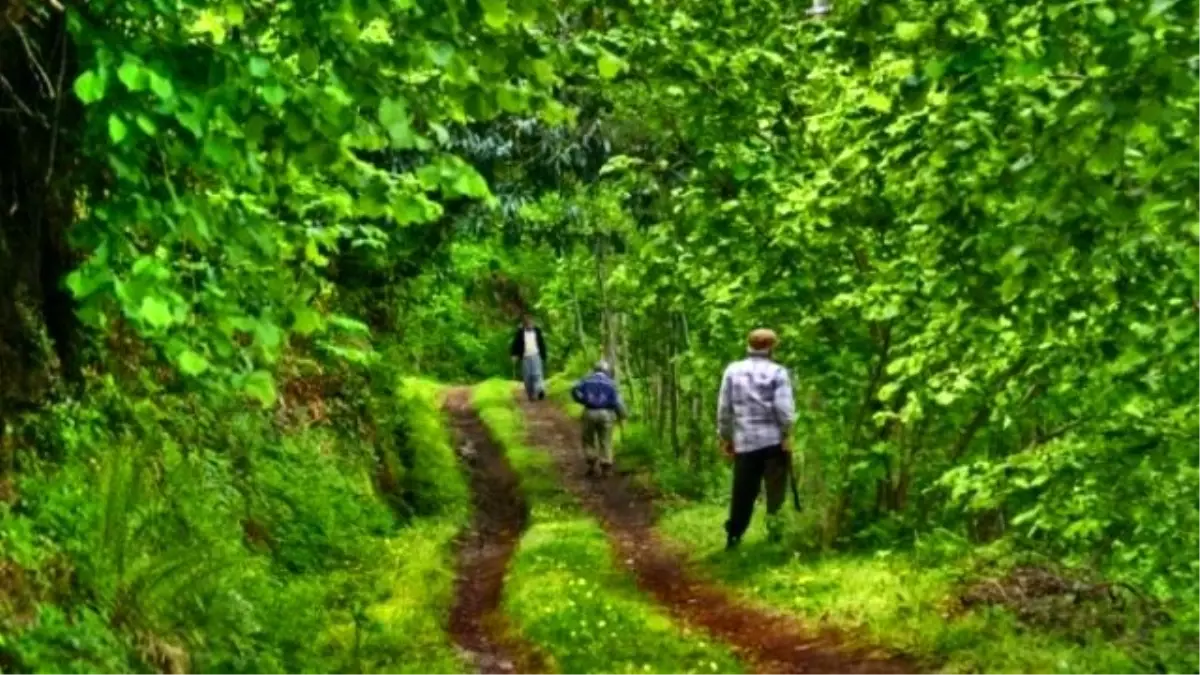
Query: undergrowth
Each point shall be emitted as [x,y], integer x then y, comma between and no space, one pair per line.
[176,534]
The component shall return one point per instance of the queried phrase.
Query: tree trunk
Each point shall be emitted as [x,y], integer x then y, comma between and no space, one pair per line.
[583,339]
[673,390]
[40,122]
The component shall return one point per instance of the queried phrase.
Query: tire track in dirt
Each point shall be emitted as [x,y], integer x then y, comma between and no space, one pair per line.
[501,513]
[767,641]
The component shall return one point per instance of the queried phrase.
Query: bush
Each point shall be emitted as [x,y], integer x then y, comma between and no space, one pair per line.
[172,532]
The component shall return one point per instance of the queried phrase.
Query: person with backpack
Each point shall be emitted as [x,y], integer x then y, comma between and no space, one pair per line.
[602,408]
[755,413]
[529,348]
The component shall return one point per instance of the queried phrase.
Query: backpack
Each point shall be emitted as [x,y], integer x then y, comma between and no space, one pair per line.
[595,394]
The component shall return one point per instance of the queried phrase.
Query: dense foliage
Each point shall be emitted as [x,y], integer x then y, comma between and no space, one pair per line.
[221,491]
[973,224]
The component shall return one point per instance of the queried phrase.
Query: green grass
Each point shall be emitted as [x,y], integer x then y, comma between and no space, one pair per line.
[888,599]
[565,594]
[564,591]
[494,401]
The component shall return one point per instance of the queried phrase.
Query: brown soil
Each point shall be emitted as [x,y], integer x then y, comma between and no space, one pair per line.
[500,514]
[767,641]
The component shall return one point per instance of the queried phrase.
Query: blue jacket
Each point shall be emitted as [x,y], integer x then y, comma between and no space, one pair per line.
[598,392]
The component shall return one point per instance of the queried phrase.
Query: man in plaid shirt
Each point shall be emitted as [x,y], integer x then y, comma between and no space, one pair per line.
[755,412]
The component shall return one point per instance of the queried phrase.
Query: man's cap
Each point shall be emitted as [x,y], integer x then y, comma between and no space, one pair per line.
[602,366]
[762,339]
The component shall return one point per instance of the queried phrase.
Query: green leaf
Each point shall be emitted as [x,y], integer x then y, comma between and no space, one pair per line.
[192,363]
[393,115]
[878,101]
[543,72]
[309,60]
[162,87]
[211,23]
[88,279]
[350,325]
[307,321]
[132,75]
[235,14]
[1011,288]
[220,150]
[117,130]
[261,386]
[259,67]
[89,87]
[609,65]
[147,125]
[511,99]
[274,95]
[312,253]
[495,13]
[909,31]
[155,312]
[470,184]
[1106,15]
[268,335]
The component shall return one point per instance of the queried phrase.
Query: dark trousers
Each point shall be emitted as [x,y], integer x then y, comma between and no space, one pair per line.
[750,470]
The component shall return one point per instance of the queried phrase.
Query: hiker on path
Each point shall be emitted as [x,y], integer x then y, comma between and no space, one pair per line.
[755,413]
[529,348]
[602,408]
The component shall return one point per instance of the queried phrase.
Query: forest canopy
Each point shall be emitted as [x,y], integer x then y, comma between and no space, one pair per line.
[234,235]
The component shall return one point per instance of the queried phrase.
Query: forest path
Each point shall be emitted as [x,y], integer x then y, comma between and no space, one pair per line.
[500,515]
[767,641]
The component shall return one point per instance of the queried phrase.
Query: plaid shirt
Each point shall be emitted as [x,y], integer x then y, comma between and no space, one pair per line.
[756,407]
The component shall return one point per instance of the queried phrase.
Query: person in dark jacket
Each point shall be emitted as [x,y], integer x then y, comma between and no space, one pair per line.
[529,347]
[602,408]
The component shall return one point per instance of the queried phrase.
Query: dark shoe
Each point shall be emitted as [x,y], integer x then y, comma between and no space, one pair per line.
[732,543]
[541,396]
[605,468]
[591,468]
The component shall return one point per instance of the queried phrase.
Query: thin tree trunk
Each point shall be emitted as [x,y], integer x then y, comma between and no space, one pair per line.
[629,361]
[674,391]
[583,340]
[842,503]
[605,311]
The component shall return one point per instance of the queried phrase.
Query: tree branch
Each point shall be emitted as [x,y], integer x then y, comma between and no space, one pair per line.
[33,60]
[985,409]
[20,103]
[62,71]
